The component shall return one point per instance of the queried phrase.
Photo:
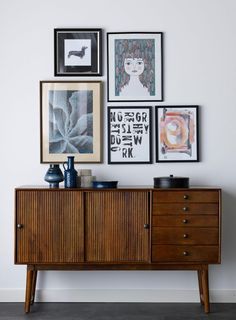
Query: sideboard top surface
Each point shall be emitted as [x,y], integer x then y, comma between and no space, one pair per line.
[131,187]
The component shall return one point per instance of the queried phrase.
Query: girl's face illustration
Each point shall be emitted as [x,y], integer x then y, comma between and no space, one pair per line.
[134,67]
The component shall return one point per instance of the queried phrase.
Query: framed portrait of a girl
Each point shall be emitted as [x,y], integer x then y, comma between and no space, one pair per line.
[135,66]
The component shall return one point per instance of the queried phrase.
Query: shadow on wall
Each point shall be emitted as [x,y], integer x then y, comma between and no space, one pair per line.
[228,232]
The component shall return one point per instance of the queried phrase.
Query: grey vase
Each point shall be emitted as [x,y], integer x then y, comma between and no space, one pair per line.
[54,176]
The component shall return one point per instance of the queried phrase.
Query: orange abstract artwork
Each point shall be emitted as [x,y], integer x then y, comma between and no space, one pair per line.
[177,134]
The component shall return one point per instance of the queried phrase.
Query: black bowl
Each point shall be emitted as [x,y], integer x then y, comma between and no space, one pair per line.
[105,184]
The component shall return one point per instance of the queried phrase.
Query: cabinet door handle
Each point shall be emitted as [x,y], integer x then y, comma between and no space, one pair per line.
[185,208]
[185,196]
[19,226]
[185,253]
[185,221]
[146,226]
[185,235]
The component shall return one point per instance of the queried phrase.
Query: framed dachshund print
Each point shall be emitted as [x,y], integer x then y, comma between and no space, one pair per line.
[177,134]
[70,121]
[129,135]
[78,52]
[135,66]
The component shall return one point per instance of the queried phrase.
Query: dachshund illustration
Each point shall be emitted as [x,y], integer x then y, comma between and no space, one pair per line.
[79,54]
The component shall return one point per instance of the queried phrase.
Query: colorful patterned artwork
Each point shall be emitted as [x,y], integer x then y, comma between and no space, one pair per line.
[135,66]
[177,136]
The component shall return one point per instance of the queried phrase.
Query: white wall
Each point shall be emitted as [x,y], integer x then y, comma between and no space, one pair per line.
[199,68]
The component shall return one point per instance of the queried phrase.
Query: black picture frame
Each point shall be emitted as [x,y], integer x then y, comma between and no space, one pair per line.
[129,134]
[177,133]
[147,49]
[77,52]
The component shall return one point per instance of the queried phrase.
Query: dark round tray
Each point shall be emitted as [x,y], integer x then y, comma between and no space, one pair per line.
[171,182]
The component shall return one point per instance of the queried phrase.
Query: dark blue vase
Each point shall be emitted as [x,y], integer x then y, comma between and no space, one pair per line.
[54,176]
[70,173]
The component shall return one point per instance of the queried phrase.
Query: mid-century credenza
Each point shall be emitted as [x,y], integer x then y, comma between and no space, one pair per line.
[129,228]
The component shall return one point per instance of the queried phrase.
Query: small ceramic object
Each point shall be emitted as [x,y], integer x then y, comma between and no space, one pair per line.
[105,184]
[85,172]
[54,176]
[70,173]
[86,181]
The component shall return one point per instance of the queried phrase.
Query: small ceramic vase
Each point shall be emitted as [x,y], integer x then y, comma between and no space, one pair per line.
[54,176]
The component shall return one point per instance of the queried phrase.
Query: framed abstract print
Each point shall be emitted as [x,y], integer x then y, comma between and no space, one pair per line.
[129,135]
[177,134]
[78,52]
[70,121]
[135,67]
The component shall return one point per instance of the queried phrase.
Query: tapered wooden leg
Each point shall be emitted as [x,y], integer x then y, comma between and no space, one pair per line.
[28,292]
[34,281]
[199,273]
[205,290]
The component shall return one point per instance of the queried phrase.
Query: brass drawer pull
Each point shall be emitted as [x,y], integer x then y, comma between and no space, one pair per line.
[185,253]
[185,221]
[185,235]
[185,208]
[19,226]
[185,196]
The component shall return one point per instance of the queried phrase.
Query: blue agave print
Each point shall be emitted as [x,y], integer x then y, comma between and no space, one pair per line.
[71,121]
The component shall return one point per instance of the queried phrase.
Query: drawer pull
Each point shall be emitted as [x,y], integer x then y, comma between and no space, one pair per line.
[19,226]
[185,221]
[185,235]
[185,253]
[185,196]
[185,208]
[146,226]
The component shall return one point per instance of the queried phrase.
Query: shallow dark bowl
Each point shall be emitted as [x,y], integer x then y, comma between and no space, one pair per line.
[105,184]
[171,182]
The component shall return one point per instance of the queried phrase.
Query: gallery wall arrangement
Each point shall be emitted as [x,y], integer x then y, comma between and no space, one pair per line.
[71,111]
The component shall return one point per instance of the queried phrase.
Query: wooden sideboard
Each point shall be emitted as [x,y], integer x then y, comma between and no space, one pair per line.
[117,229]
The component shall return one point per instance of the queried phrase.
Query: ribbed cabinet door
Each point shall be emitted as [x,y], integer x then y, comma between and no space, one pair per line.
[49,226]
[115,226]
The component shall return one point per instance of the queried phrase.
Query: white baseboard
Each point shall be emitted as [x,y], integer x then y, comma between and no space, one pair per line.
[119,295]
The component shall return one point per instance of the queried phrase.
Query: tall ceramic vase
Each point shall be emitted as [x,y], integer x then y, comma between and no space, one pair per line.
[70,173]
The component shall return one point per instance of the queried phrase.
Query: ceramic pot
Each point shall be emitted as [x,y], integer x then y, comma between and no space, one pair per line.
[54,176]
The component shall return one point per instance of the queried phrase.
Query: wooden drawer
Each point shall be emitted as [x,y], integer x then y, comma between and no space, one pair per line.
[185,220]
[184,253]
[186,196]
[189,208]
[196,236]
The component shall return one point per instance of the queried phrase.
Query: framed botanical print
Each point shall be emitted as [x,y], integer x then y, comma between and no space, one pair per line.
[135,66]
[129,135]
[78,52]
[70,121]
[177,134]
